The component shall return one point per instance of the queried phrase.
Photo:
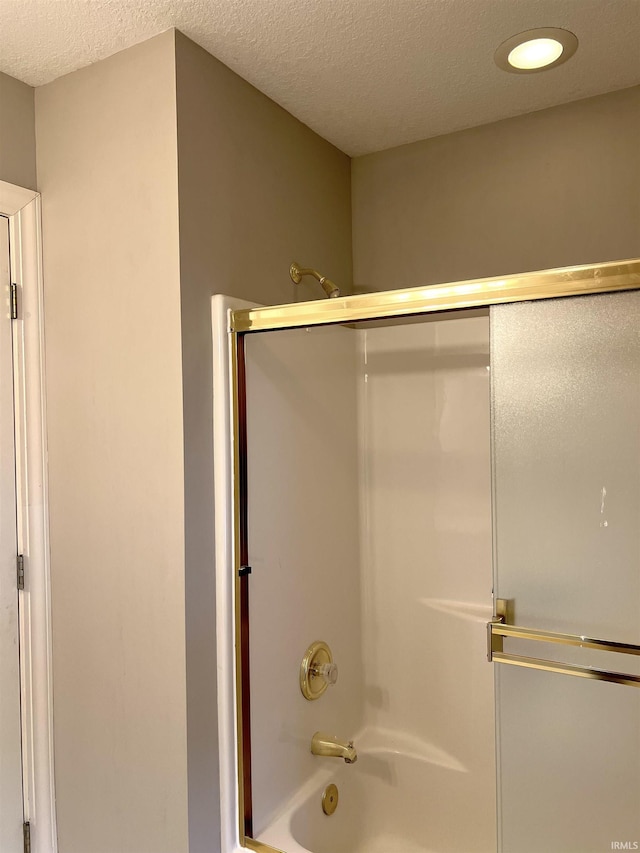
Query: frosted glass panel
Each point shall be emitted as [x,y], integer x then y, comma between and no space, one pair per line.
[566,448]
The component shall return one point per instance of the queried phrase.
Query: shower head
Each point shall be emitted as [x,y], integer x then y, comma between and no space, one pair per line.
[297,272]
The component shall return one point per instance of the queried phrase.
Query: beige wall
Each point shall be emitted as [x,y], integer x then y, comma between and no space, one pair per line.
[548,189]
[258,190]
[17,133]
[107,169]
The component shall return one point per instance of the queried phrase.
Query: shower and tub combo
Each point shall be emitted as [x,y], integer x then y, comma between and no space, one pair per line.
[427,563]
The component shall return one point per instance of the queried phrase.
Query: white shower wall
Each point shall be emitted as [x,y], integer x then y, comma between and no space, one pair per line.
[303,549]
[370,528]
[426,572]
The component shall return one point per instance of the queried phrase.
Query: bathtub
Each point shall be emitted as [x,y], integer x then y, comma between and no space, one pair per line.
[394,799]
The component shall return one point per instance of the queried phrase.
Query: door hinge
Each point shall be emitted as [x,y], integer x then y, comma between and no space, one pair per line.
[26,835]
[14,301]
[20,571]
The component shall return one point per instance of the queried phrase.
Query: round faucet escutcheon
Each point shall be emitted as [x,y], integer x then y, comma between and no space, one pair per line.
[317,670]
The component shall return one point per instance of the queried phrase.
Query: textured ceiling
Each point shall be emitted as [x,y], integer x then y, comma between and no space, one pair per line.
[365,74]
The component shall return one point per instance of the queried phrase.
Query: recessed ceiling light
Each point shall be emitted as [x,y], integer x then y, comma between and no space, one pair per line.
[536,50]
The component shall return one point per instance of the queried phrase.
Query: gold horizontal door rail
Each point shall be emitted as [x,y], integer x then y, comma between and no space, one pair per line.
[497,630]
[548,284]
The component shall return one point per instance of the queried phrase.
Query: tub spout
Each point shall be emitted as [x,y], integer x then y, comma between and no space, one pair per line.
[322,744]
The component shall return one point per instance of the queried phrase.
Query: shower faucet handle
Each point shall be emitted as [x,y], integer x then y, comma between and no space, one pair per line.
[327,671]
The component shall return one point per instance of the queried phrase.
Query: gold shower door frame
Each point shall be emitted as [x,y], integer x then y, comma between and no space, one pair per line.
[459,296]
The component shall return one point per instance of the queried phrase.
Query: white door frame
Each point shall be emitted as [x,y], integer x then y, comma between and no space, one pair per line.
[22,207]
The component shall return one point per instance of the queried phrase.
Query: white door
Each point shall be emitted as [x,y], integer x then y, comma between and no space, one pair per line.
[11,809]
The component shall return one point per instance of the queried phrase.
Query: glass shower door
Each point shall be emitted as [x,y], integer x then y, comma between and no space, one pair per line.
[566,480]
